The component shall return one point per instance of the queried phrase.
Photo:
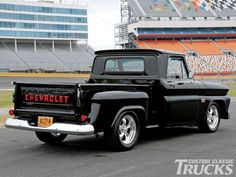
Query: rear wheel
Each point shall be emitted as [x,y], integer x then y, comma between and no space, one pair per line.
[50,138]
[211,121]
[125,132]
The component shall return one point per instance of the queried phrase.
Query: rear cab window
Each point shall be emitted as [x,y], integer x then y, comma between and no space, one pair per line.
[107,66]
[124,65]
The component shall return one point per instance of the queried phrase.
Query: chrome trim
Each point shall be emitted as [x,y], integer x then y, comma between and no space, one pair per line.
[70,129]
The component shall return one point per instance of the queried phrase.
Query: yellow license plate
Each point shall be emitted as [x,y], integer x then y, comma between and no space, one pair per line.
[44,121]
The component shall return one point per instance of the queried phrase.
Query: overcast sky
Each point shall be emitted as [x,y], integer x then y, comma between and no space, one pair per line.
[102,15]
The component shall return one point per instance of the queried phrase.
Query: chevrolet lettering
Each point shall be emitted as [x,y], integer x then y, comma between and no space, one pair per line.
[29,97]
[128,91]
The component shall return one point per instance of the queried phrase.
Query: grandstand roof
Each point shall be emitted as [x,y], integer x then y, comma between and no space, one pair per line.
[131,51]
[183,8]
[181,24]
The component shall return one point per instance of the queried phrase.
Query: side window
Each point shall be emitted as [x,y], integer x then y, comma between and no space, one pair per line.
[185,75]
[176,69]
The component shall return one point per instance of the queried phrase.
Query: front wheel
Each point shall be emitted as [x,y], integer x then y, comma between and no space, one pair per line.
[211,121]
[125,132]
[50,138]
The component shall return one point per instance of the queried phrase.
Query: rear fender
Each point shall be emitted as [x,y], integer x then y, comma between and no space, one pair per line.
[107,106]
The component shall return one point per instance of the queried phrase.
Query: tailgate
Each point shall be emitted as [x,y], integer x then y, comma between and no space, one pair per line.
[45,99]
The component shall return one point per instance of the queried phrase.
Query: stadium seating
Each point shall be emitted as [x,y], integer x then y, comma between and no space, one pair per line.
[162,44]
[210,61]
[210,47]
[186,8]
[141,44]
[155,25]
[9,60]
[152,8]
[166,45]
[228,44]
[221,64]
[62,59]
[203,47]
[79,58]
[39,59]
[192,8]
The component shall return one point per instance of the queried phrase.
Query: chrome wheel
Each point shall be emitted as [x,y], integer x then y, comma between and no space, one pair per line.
[127,129]
[124,134]
[213,117]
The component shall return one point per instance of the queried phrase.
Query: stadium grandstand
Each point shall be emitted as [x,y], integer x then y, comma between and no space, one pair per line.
[204,30]
[44,36]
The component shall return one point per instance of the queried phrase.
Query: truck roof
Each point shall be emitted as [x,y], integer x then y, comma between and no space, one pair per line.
[135,51]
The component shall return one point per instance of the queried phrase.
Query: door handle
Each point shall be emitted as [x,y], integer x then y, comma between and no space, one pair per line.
[180,83]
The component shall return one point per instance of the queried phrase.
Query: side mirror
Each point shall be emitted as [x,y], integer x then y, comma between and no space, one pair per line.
[190,75]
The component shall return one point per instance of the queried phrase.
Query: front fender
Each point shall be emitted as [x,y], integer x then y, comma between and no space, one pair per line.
[223,103]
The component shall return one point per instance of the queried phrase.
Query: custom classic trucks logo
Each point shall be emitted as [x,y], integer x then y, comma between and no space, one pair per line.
[209,167]
[44,98]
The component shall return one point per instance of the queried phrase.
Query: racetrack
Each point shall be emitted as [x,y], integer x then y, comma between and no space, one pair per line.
[5,82]
[22,155]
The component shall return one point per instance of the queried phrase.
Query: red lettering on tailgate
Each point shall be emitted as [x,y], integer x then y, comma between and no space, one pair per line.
[56,99]
[41,98]
[51,98]
[46,98]
[26,97]
[66,99]
[60,99]
[31,97]
[36,98]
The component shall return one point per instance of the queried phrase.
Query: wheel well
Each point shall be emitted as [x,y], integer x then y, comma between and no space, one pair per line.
[138,113]
[222,108]
[141,116]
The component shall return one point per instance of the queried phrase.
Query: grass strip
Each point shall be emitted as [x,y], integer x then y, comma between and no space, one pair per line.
[5,99]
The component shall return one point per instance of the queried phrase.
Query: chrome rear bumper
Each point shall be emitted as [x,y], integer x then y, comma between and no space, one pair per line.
[70,129]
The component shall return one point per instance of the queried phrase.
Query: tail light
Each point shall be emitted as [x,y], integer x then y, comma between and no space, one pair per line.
[83,118]
[11,112]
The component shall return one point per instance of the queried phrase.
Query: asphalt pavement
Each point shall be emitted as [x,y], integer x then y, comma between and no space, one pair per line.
[22,155]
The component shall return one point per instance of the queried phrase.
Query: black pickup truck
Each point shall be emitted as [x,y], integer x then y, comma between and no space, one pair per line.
[128,91]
